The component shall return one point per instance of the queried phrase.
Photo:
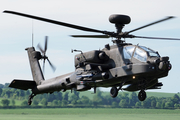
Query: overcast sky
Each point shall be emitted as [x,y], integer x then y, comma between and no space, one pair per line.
[16,33]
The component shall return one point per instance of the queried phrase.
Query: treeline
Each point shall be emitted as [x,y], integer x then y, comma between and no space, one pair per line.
[9,96]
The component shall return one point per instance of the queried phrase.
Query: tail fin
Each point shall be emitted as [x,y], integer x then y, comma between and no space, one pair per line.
[34,56]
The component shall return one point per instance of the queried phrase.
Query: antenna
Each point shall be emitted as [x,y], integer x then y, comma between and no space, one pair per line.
[32,33]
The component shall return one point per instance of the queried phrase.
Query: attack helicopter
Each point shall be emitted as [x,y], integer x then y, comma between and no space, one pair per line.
[121,64]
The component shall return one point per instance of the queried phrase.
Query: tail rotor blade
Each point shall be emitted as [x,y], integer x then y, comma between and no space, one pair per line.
[40,48]
[44,57]
[46,42]
[44,65]
[52,66]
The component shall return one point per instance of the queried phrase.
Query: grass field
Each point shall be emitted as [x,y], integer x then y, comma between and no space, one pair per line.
[149,94]
[89,114]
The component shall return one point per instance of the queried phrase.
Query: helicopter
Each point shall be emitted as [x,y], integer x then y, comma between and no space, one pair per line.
[121,66]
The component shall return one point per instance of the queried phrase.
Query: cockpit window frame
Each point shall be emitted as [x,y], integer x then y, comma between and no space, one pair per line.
[128,53]
[148,51]
[139,56]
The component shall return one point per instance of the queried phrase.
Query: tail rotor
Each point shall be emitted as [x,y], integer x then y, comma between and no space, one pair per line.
[44,57]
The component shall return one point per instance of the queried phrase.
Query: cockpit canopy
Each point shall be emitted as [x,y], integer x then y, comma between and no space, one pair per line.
[140,53]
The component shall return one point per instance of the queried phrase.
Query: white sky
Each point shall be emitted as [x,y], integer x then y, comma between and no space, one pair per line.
[16,32]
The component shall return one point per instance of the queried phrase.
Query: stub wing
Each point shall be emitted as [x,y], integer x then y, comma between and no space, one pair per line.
[22,84]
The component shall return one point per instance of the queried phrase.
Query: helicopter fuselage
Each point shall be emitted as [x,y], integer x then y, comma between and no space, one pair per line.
[121,66]
[135,66]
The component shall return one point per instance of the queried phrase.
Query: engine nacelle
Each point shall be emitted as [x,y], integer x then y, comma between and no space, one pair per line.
[94,56]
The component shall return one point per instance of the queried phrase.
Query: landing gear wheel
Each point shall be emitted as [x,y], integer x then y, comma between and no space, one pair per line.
[63,90]
[142,95]
[113,92]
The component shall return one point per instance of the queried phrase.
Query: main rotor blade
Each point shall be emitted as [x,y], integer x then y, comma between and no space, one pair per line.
[91,36]
[167,18]
[156,38]
[55,22]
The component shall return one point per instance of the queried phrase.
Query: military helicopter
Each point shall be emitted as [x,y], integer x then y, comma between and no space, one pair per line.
[118,65]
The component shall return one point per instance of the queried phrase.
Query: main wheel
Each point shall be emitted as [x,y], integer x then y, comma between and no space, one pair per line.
[142,95]
[114,92]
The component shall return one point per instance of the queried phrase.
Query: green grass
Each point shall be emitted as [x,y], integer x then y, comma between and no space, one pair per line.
[158,94]
[149,94]
[88,114]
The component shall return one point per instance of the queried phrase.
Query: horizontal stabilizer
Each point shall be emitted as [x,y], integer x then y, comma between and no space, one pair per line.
[22,84]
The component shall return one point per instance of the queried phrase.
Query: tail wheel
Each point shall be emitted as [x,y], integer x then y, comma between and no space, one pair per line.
[31,98]
[142,95]
[29,102]
[114,92]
